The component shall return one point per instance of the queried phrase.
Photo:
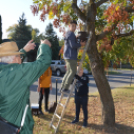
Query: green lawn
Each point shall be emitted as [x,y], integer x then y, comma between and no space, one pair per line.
[112,72]
[124,109]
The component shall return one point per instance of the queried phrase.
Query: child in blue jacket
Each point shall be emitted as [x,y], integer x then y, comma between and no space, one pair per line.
[81,97]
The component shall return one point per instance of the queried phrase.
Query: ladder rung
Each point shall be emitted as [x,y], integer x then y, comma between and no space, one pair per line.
[58,116]
[61,104]
[53,126]
[66,93]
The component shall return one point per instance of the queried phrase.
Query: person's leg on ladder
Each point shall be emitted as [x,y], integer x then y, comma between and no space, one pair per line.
[40,101]
[72,65]
[85,111]
[66,74]
[47,91]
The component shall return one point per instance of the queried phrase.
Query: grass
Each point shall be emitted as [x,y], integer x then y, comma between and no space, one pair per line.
[112,72]
[125,69]
[124,110]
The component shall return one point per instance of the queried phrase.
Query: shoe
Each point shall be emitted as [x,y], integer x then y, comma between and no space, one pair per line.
[65,90]
[84,124]
[40,112]
[75,121]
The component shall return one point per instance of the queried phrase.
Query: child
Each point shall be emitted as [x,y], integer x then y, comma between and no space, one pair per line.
[81,96]
[44,86]
[70,55]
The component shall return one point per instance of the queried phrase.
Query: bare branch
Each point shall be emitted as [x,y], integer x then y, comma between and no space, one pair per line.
[78,11]
[126,34]
[100,2]
[129,9]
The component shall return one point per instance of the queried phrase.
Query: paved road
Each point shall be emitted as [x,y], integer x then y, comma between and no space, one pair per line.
[114,80]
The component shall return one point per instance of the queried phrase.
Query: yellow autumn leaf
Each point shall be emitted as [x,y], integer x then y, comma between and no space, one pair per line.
[51,15]
[117,8]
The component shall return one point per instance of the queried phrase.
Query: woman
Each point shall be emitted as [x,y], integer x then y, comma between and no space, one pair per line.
[44,87]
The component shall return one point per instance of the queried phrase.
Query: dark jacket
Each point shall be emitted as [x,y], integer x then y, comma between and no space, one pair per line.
[81,87]
[70,46]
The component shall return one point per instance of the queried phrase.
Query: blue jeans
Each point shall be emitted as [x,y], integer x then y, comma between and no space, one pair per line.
[81,101]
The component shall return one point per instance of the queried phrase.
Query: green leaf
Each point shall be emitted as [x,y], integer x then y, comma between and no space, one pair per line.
[116,1]
[41,6]
[66,7]
[36,1]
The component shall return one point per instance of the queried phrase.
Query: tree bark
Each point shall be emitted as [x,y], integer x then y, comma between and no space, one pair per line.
[108,110]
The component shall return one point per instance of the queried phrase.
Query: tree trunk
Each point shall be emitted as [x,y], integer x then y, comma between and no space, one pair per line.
[108,110]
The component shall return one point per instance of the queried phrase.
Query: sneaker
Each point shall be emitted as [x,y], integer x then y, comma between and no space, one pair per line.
[40,112]
[75,121]
[65,90]
[84,124]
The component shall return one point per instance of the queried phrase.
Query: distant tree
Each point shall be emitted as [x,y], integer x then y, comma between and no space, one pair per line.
[11,31]
[61,42]
[34,33]
[55,47]
[50,35]
[0,30]
[21,33]
[38,38]
[49,31]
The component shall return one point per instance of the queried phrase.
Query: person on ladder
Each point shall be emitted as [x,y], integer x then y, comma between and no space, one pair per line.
[81,96]
[70,55]
[44,87]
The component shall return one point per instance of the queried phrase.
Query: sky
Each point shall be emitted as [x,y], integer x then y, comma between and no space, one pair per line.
[11,10]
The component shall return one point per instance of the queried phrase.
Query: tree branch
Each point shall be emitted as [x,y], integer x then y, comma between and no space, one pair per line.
[100,2]
[126,34]
[78,11]
[129,9]
[103,34]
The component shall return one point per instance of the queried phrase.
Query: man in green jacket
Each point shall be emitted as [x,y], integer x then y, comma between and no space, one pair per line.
[16,78]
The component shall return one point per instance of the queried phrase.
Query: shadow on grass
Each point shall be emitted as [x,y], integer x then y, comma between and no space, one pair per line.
[102,129]
[127,88]
[92,96]
[46,117]
[117,129]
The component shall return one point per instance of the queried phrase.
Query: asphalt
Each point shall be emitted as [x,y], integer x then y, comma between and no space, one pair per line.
[114,81]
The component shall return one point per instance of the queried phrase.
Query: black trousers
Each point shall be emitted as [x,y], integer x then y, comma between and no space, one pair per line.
[81,101]
[46,95]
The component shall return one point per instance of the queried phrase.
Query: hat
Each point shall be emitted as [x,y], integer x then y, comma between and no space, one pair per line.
[9,49]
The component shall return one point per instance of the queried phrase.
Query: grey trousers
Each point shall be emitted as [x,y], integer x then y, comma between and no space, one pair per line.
[71,71]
